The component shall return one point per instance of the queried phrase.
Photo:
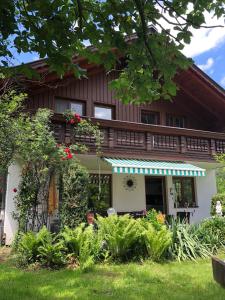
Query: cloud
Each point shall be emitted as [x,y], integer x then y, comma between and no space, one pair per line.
[203,39]
[209,63]
[222,81]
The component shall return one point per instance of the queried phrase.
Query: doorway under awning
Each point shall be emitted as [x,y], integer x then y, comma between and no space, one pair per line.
[152,167]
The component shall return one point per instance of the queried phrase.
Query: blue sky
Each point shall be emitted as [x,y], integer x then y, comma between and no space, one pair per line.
[212,62]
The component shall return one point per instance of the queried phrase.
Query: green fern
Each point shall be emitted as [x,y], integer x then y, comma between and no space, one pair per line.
[83,242]
[157,241]
[120,233]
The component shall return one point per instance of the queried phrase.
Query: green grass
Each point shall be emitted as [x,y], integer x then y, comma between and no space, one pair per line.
[169,281]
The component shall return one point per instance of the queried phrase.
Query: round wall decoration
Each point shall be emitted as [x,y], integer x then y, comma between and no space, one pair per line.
[129,183]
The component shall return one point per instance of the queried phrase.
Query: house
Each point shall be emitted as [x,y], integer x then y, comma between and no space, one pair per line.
[159,155]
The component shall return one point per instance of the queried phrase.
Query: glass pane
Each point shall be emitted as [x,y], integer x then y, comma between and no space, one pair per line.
[103,112]
[177,192]
[77,107]
[61,106]
[149,117]
[188,192]
[175,121]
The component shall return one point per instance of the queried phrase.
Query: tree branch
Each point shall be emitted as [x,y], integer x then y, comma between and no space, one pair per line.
[144,29]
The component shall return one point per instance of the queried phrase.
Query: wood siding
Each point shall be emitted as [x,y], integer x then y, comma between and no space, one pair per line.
[95,89]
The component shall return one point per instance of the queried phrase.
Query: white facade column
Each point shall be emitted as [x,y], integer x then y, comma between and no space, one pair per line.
[205,190]
[10,224]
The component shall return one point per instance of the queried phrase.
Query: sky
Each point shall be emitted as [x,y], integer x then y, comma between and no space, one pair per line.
[207,49]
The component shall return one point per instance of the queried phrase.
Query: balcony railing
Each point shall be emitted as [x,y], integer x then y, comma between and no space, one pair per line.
[148,141]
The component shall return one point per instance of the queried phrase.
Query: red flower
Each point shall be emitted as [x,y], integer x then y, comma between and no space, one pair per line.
[14,190]
[77,117]
[72,121]
[69,155]
[67,150]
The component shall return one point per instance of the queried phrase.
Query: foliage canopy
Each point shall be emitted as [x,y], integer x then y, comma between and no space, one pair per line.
[151,59]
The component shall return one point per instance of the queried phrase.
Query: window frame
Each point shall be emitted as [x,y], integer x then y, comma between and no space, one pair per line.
[71,100]
[182,178]
[169,115]
[157,113]
[102,105]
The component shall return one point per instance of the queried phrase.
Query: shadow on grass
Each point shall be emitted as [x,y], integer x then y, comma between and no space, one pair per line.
[171,281]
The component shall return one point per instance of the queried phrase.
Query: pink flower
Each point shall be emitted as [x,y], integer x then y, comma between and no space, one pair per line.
[72,121]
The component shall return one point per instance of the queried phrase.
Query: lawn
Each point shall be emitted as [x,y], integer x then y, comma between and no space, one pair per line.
[169,281]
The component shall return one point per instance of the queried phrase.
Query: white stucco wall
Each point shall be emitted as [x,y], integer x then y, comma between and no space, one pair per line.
[10,224]
[128,200]
[205,188]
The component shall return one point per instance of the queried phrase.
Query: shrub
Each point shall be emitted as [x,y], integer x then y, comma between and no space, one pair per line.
[51,255]
[156,241]
[83,243]
[218,197]
[28,246]
[212,232]
[120,233]
[185,243]
[75,180]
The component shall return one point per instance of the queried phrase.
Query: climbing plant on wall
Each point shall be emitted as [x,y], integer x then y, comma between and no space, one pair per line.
[74,182]
[42,159]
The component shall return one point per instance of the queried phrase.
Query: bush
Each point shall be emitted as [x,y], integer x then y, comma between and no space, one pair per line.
[120,234]
[28,246]
[82,243]
[185,243]
[218,197]
[212,233]
[75,180]
[157,241]
[52,255]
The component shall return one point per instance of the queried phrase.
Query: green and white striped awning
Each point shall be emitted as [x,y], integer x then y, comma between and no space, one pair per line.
[152,167]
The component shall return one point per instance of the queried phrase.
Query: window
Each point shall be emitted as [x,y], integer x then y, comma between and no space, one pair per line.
[150,117]
[61,105]
[184,193]
[103,112]
[99,202]
[175,121]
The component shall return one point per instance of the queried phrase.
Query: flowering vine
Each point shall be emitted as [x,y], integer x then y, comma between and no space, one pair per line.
[43,158]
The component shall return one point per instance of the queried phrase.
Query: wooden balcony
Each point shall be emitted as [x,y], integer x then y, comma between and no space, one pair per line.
[127,139]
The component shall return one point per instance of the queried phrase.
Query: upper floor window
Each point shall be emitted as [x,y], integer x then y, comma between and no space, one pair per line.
[175,121]
[150,117]
[103,112]
[61,105]
[184,192]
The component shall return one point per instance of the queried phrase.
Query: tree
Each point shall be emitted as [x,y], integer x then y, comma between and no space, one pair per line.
[58,30]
